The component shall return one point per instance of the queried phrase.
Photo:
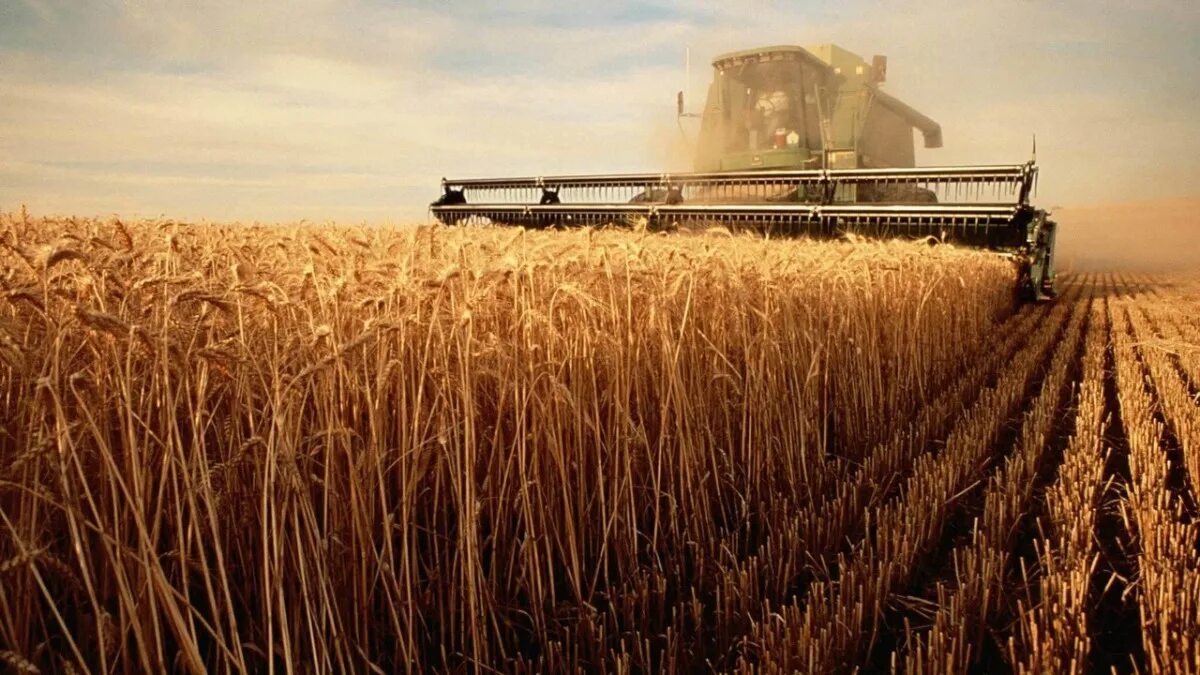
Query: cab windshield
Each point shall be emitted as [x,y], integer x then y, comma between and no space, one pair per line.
[770,105]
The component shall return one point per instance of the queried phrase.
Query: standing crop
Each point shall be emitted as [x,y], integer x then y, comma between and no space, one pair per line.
[336,449]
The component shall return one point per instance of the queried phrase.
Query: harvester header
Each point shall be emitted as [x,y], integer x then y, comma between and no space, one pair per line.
[793,141]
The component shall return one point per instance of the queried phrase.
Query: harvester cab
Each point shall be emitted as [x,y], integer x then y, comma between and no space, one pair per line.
[789,107]
[801,142]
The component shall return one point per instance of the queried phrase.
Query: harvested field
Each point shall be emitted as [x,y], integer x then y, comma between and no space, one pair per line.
[361,449]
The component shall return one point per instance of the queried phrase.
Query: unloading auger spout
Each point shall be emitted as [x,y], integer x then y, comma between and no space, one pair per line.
[793,142]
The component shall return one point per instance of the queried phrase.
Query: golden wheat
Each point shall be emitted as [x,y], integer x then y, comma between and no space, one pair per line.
[351,449]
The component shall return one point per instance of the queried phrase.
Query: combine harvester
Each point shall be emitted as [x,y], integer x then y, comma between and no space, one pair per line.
[793,142]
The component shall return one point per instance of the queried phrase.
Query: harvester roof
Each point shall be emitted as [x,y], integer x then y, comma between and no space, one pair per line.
[772,53]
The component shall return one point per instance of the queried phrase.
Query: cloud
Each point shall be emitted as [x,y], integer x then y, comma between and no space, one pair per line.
[322,109]
[251,127]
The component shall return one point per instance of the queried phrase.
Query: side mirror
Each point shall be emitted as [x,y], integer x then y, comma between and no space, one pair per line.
[679,103]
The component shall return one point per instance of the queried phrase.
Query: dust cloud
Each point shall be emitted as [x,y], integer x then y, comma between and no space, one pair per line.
[671,144]
[1153,236]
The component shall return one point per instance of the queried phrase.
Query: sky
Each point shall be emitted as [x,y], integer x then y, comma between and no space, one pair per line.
[353,110]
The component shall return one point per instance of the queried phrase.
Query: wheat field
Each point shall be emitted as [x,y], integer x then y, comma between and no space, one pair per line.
[338,449]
